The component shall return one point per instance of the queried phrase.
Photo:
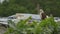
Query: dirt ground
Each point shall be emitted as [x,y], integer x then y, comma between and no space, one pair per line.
[2,29]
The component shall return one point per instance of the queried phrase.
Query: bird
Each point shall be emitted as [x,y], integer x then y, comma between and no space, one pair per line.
[42,14]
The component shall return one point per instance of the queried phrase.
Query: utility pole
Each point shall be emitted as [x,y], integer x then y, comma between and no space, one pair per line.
[36,3]
[38,8]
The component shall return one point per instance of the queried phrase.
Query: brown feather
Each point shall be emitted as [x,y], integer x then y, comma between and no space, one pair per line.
[43,16]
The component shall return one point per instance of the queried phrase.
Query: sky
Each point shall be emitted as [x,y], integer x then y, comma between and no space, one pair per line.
[1,1]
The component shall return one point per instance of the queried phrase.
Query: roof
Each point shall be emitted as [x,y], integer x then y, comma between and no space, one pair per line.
[34,16]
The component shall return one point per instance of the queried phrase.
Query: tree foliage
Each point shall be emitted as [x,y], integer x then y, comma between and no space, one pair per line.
[47,26]
[29,6]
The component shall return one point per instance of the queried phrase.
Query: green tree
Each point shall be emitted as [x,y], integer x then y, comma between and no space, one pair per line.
[30,6]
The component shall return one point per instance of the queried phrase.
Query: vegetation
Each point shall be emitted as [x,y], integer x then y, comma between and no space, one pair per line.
[47,26]
[11,7]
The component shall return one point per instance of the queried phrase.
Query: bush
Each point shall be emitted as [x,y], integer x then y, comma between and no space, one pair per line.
[47,26]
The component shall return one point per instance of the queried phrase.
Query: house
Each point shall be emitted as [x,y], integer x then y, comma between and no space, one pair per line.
[23,16]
